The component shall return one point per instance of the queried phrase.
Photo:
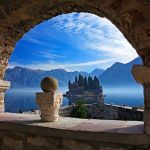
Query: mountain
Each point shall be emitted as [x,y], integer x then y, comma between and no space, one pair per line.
[96,71]
[119,74]
[25,78]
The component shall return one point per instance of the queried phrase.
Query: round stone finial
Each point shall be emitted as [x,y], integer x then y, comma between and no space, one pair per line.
[49,84]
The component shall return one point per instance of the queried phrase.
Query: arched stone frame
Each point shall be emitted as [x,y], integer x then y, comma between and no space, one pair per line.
[131,17]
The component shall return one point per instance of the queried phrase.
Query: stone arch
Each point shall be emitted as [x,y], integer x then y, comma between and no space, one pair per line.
[132,17]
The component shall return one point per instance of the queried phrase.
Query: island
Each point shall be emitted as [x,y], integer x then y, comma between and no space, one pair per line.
[85,88]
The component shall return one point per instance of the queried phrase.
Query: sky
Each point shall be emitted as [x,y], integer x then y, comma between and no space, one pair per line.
[74,41]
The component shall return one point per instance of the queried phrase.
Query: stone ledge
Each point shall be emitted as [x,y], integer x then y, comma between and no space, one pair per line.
[111,131]
[4,85]
[141,73]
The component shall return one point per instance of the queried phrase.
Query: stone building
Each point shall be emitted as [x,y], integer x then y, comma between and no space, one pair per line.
[132,18]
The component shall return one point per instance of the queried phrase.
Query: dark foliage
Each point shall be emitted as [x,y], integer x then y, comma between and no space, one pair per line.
[80,111]
[88,83]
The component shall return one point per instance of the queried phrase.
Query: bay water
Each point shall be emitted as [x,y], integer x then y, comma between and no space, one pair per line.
[24,99]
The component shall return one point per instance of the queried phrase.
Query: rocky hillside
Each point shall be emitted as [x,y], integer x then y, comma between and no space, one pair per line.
[24,77]
[119,74]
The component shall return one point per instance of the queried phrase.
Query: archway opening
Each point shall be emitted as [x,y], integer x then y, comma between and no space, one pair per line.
[80,43]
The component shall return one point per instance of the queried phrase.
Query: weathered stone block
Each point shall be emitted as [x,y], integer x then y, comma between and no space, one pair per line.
[4,85]
[13,142]
[147,120]
[147,114]
[141,73]
[45,98]
[37,141]
[49,104]
[34,147]
[76,145]
[40,142]
[111,148]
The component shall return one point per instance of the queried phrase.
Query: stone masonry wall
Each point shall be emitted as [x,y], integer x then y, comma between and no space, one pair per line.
[108,112]
[26,141]
[66,111]
[115,112]
[4,57]
[94,111]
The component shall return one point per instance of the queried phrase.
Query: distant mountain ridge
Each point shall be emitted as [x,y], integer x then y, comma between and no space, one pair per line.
[96,71]
[119,74]
[27,78]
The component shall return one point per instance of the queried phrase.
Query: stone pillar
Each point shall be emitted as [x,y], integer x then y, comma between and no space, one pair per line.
[5,52]
[49,100]
[142,76]
[49,104]
[4,85]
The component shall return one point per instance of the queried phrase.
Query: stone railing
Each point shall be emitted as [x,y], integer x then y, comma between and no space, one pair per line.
[27,132]
[94,111]
[110,112]
[115,112]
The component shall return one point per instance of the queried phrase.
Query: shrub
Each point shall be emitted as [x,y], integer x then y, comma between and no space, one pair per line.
[80,111]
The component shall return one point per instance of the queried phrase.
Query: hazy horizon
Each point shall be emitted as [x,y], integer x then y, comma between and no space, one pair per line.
[12,67]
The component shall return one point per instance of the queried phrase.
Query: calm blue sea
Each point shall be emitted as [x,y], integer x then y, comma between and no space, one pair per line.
[24,99]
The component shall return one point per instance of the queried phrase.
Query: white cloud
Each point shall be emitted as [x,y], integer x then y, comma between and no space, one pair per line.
[99,35]
[66,66]
[48,54]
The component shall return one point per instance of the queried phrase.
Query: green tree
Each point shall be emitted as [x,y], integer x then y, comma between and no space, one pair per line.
[80,111]
[96,83]
[81,80]
[90,84]
[76,79]
[69,83]
[85,83]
